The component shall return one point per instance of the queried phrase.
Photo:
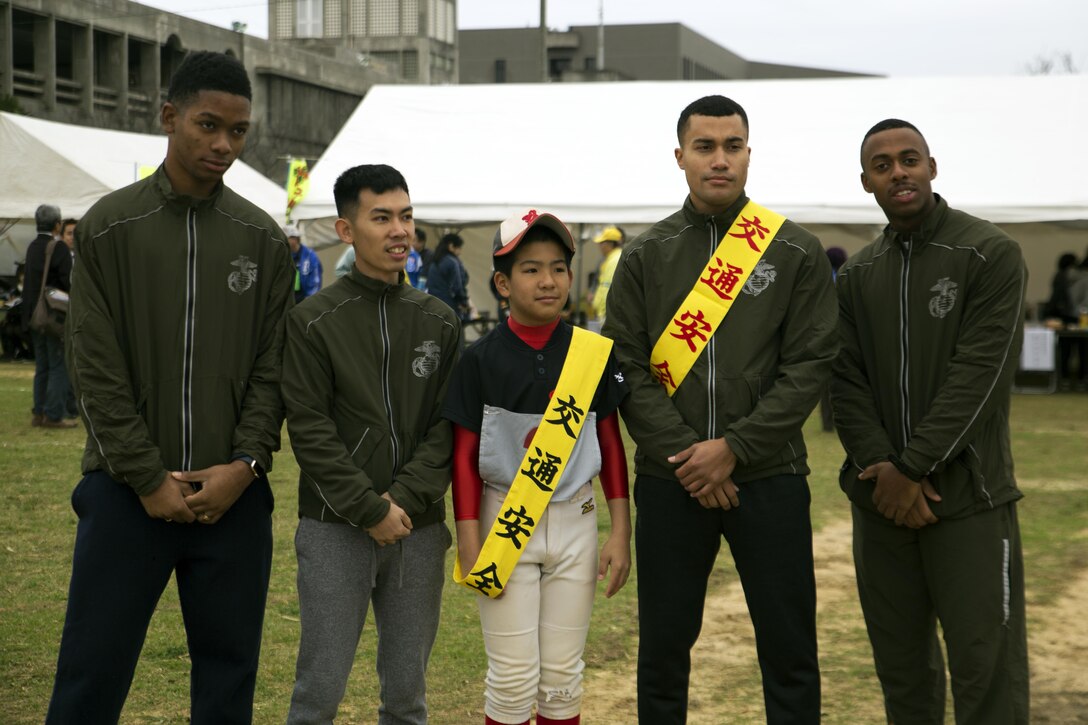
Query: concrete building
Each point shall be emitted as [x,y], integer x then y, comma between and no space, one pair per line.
[414,40]
[108,63]
[651,52]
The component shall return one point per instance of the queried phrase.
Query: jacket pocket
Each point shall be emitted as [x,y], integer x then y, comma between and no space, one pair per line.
[735,398]
[372,453]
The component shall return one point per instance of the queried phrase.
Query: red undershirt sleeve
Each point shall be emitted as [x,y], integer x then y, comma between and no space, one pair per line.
[468,487]
[613,458]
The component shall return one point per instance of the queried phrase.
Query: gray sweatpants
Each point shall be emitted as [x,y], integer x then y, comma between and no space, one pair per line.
[340,571]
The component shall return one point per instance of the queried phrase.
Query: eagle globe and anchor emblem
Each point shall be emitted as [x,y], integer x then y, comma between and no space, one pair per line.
[426,364]
[945,300]
[761,278]
[242,278]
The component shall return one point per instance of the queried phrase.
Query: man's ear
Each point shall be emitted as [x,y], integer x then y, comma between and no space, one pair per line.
[343,230]
[679,154]
[865,183]
[168,117]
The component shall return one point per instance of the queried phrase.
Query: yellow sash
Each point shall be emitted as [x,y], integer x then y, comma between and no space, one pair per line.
[712,296]
[542,467]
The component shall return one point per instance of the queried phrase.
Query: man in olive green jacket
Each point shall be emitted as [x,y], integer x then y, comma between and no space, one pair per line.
[724,456]
[175,334]
[366,367]
[930,325]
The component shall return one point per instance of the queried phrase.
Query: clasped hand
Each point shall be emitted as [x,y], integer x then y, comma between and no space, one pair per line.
[706,472]
[177,499]
[899,498]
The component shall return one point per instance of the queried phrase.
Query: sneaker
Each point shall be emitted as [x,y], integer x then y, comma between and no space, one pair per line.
[50,423]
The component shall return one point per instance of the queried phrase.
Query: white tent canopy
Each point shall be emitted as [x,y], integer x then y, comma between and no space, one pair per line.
[72,167]
[1008,149]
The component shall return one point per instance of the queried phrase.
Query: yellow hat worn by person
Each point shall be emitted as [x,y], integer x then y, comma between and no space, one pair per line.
[609,234]
[608,268]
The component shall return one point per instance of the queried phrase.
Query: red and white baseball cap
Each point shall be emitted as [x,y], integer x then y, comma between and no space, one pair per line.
[513,229]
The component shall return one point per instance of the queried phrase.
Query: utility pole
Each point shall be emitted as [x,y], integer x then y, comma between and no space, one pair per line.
[544,77]
[600,36]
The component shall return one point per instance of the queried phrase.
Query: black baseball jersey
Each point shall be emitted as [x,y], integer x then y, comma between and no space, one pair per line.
[501,388]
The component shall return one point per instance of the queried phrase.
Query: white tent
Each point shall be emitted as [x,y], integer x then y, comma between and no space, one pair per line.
[1008,149]
[74,166]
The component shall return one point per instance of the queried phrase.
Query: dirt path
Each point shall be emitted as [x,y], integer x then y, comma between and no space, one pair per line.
[725,654]
[1056,647]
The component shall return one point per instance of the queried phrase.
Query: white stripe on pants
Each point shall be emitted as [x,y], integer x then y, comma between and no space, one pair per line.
[535,632]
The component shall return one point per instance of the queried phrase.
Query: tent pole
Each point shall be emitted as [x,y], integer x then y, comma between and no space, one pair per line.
[576,308]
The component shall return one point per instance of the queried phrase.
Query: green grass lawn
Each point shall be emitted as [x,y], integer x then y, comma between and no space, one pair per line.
[38,470]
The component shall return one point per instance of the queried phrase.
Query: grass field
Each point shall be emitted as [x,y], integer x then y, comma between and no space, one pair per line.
[37,526]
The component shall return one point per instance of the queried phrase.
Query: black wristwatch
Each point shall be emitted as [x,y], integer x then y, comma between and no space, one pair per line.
[257,468]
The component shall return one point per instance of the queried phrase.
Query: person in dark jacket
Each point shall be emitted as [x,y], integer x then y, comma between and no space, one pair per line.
[447,279]
[930,321]
[1061,306]
[175,338]
[720,451]
[365,373]
[50,376]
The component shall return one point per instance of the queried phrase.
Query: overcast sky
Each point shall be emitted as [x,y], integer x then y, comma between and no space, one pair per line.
[923,37]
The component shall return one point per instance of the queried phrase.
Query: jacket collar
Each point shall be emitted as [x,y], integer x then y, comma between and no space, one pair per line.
[923,234]
[166,190]
[721,221]
[370,288]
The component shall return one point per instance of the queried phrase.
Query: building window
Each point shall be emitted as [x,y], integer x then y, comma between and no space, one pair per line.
[66,41]
[22,46]
[283,21]
[450,27]
[107,57]
[410,19]
[170,57]
[557,66]
[387,61]
[333,11]
[441,21]
[358,18]
[500,70]
[384,17]
[410,65]
[308,18]
[135,64]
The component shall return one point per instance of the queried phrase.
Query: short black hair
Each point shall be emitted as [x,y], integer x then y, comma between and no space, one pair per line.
[709,106]
[206,70]
[378,178]
[67,222]
[421,235]
[505,262]
[887,125]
